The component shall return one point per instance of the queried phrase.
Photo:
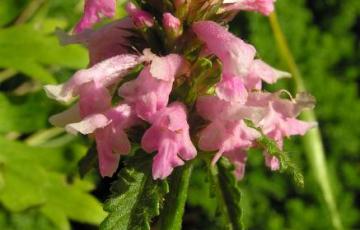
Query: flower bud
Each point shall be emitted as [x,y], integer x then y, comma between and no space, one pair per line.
[140,18]
[179,3]
[172,27]
[171,22]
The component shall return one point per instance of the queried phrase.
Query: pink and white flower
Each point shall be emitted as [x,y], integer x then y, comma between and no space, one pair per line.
[150,91]
[102,74]
[169,136]
[94,10]
[264,7]
[235,54]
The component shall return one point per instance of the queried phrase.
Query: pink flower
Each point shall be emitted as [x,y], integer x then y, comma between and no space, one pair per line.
[150,91]
[231,88]
[93,11]
[229,135]
[235,55]
[171,22]
[93,98]
[264,7]
[140,18]
[238,158]
[213,108]
[278,125]
[280,119]
[260,71]
[231,139]
[227,132]
[111,139]
[226,136]
[271,162]
[103,43]
[169,135]
[102,74]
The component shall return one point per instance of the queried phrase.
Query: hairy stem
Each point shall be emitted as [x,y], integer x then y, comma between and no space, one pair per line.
[312,141]
[228,195]
[171,216]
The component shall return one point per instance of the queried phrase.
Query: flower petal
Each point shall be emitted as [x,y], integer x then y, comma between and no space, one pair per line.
[234,53]
[93,10]
[108,161]
[71,115]
[104,74]
[165,160]
[88,125]
[232,89]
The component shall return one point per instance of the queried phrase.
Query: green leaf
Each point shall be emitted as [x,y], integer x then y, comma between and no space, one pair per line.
[33,179]
[171,215]
[71,202]
[24,114]
[29,219]
[228,194]
[136,197]
[29,50]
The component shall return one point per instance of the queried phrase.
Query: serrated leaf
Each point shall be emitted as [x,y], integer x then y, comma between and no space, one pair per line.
[136,197]
[28,50]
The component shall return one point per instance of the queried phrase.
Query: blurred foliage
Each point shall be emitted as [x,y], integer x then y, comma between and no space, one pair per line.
[39,183]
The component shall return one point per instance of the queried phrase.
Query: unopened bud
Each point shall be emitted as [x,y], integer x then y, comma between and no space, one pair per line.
[171,22]
[140,18]
[179,3]
[172,27]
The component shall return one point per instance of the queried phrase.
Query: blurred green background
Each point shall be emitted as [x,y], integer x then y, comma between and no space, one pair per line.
[40,186]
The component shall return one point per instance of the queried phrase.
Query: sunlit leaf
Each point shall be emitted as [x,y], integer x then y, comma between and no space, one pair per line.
[29,51]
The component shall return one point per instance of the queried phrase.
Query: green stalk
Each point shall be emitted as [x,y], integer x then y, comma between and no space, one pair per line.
[29,11]
[43,136]
[173,211]
[312,141]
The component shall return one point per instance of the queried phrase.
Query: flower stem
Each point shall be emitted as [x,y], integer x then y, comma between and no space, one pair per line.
[171,216]
[43,136]
[312,141]
[29,11]
[228,195]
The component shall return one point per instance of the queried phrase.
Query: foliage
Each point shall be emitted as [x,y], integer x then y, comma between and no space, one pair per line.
[136,198]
